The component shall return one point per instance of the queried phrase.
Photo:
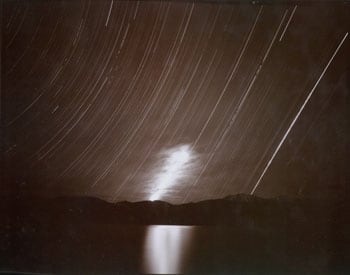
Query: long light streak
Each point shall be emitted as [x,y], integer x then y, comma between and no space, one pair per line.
[297,115]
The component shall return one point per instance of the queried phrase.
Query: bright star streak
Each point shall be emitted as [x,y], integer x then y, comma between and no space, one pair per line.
[297,115]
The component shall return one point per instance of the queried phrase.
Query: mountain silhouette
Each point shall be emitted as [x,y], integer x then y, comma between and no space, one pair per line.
[84,234]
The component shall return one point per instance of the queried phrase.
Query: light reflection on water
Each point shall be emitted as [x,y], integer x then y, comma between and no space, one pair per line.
[165,248]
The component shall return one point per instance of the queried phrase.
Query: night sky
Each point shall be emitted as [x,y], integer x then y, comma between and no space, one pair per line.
[175,100]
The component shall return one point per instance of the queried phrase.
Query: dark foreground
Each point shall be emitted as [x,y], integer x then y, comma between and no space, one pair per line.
[240,234]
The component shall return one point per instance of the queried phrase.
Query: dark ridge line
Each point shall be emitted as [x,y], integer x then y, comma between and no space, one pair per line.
[237,197]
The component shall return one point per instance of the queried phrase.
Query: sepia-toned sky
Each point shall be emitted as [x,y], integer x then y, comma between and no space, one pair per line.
[175,100]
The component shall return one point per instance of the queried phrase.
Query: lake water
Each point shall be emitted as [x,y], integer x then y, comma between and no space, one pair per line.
[164,249]
[226,250]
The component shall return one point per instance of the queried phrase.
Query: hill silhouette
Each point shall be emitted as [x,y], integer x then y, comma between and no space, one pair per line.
[80,234]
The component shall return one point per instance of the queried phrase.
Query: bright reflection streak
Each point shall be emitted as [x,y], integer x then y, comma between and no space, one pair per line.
[176,165]
[166,248]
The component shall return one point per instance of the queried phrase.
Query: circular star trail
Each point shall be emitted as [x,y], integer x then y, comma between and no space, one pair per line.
[175,100]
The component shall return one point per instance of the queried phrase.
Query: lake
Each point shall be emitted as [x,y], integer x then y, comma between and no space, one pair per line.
[162,249]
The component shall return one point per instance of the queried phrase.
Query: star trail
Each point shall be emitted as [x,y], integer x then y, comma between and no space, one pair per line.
[175,100]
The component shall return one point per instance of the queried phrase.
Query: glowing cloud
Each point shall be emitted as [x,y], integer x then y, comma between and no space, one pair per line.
[175,165]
